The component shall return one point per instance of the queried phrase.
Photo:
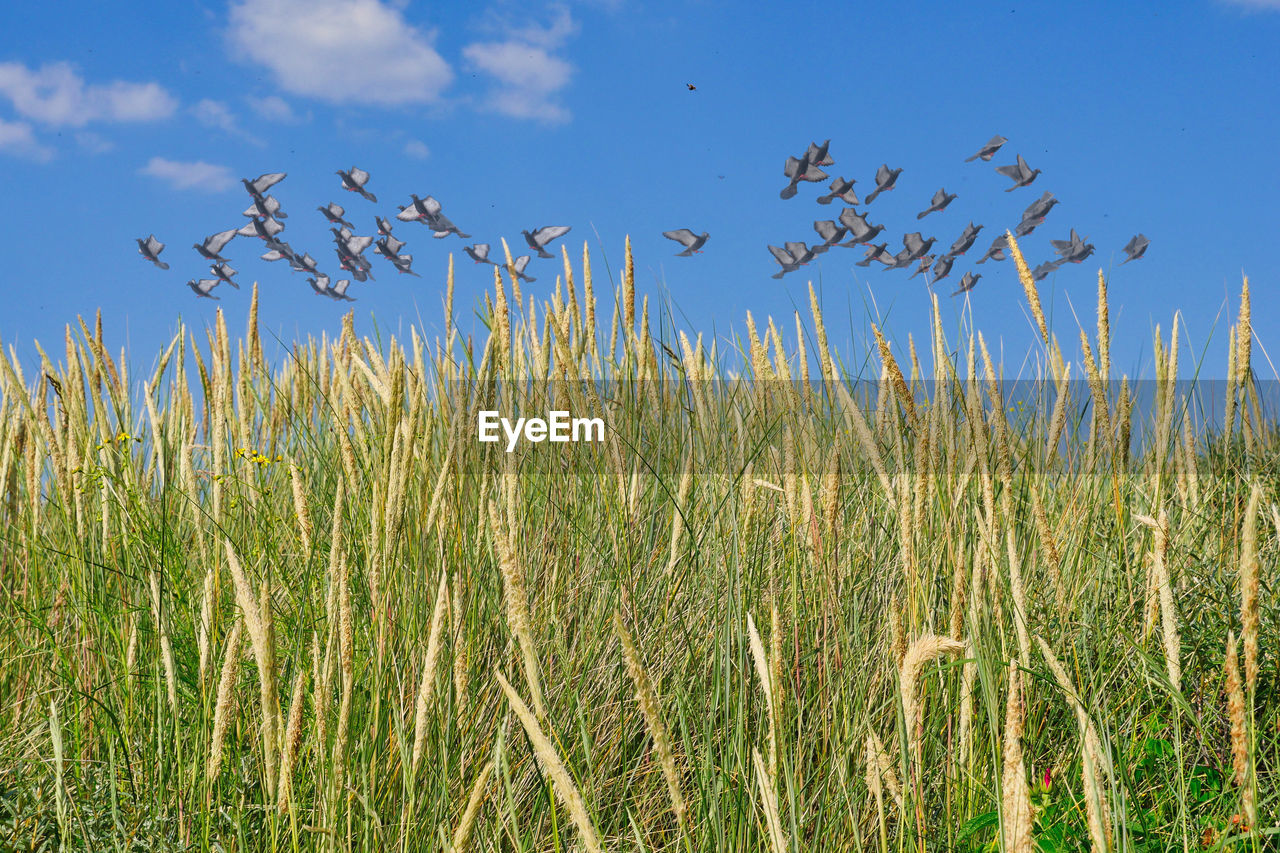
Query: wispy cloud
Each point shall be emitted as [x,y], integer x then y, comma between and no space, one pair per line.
[217,114]
[273,108]
[527,77]
[55,94]
[206,177]
[417,149]
[340,51]
[18,139]
[93,143]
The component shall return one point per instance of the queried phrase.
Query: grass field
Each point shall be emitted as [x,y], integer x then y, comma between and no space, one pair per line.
[300,607]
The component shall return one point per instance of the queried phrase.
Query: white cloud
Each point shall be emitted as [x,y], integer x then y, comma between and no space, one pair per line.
[93,143]
[526,75]
[217,114]
[273,108]
[55,94]
[417,148]
[17,138]
[199,175]
[340,50]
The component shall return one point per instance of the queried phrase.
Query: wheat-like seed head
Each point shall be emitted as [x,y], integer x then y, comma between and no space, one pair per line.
[462,835]
[1015,812]
[1249,612]
[921,652]
[1028,286]
[651,710]
[552,767]
[426,689]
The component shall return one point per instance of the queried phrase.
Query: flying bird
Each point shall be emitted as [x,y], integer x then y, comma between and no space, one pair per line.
[817,154]
[335,213]
[885,179]
[1038,209]
[402,264]
[942,268]
[263,229]
[478,253]
[925,263]
[266,207]
[150,249]
[964,241]
[384,227]
[692,242]
[830,233]
[540,237]
[262,183]
[692,88]
[212,245]
[224,272]
[1135,248]
[355,181]
[1020,173]
[1041,272]
[879,252]
[800,169]
[204,287]
[1074,245]
[841,189]
[389,247]
[860,231]
[999,246]
[917,245]
[902,260]
[786,259]
[989,150]
[967,283]
[320,284]
[339,290]
[517,266]
[940,200]
[306,263]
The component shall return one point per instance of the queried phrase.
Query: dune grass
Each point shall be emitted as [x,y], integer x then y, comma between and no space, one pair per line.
[300,607]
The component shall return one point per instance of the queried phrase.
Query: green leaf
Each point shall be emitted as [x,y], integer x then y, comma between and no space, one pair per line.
[975,824]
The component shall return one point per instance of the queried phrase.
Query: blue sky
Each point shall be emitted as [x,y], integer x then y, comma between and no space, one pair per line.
[1160,119]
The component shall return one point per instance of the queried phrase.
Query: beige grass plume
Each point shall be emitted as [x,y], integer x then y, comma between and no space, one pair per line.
[226,698]
[1249,589]
[462,835]
[651,710]
[769,803]
[921,652]
[553,768]
[1015,811]
[426,689]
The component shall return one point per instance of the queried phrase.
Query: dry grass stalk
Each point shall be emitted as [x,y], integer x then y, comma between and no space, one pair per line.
[553,768]
[651,710]
[292,739]
[1028,286]
[919,654]
[1096,768]
[766,685]
[226,696]
[1249,589]
[257,622]
[1236,714]
[678,512]
[769,802]
[516,597]
[479,788]
[1162,586]
[426,689]
[1015,810]
[880,768]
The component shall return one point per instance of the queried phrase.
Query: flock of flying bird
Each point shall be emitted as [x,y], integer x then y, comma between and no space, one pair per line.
[915,247]
[265,222]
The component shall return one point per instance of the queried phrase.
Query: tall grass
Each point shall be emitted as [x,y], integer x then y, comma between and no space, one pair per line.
[963,576]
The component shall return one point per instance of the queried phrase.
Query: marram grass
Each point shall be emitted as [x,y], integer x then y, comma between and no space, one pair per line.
[1036,614]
